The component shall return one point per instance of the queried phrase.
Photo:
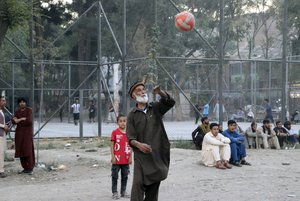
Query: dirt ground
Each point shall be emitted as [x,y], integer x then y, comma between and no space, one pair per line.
[79,172]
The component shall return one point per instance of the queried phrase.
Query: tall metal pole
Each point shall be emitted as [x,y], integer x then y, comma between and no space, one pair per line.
[284,61]
[255,85]
[31,64]
[69,92]
[99,103]
[221,61]
[40,112]
[197,81]
[155,12]
[270,81]
[252,84]
[124,80]
[13,88]
[81,113]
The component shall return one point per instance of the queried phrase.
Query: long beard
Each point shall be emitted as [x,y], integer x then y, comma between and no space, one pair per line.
[142,99]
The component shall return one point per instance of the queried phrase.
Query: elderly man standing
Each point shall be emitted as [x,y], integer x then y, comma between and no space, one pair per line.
[216,149]
[24,137]
[3,130]
[147,136]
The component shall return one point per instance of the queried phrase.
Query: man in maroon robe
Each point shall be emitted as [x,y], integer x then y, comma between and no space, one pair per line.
[24,136]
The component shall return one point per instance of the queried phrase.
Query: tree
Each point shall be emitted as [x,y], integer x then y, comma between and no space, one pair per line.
[255,24]
[294,22]
[12,14]
[268,17]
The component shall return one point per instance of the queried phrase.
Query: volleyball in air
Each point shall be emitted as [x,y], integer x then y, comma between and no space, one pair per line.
[185,21]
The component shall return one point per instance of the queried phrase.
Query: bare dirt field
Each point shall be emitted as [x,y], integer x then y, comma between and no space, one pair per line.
[82,172]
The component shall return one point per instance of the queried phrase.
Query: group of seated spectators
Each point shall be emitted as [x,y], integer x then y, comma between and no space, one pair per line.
[222,149]
[279,137]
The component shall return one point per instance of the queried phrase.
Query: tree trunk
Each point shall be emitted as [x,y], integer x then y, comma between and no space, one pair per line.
[83,55]
[178,108]
[3,21]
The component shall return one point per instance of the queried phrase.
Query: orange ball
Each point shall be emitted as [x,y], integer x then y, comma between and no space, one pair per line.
[185,21]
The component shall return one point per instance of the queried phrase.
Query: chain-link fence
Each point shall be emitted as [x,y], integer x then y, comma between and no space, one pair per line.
[245,85]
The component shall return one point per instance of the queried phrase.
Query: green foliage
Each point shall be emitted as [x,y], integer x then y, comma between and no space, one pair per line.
[16,12]
[50,145]
[105,142]
[182,144]
[150,31]
[294,16]
[8,52]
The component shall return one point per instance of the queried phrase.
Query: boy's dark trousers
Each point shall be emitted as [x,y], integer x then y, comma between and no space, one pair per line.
[124,176]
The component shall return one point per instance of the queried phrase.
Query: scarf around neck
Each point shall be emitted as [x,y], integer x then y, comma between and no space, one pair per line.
[204,128]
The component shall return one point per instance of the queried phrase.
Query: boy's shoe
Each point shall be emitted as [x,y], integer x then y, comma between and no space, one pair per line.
[125,195]
[29,172]
[22,172]
[115,196]
[2,175]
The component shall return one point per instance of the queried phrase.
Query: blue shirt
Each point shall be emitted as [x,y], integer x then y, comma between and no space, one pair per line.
[268,109]
[206,109]
[234,136]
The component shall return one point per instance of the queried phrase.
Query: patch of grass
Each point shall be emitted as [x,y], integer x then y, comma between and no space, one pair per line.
[47,146]
[104,142]
[91,144]
[182,144]
[60,143]
[82,147]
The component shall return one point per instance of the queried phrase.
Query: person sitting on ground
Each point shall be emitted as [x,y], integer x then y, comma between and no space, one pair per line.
[215,149]
[296,117]
[294,137]
[251,134]
[269,135]
[281,134]
[200,131]
[239,115]
[240,131]
[250,114]
[238,150]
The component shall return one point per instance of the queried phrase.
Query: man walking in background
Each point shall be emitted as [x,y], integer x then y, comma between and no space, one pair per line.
[268,110]
[76,111]
[206,110]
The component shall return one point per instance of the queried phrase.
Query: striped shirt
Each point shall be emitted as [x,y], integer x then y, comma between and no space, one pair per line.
[76,108]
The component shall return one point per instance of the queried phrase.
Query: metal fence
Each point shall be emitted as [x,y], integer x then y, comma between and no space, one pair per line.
[245,84]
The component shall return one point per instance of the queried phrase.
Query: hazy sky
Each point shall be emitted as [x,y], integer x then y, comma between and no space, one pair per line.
[67,1]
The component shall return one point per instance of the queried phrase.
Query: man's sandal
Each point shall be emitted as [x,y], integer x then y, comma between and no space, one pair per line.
[243,162]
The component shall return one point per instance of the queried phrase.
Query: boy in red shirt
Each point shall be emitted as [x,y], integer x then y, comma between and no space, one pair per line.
[120,157]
